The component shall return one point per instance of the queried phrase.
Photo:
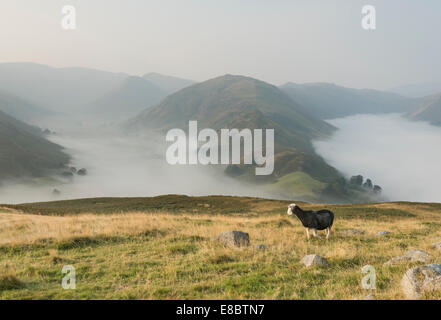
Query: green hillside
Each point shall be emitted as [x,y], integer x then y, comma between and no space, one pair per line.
[328,101]
[25,152]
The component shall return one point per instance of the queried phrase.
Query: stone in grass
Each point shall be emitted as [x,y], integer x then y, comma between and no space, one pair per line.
[314,260]
[437,245]
[382,233]
[350,232]
[410,256]
[419,280]
[234,238]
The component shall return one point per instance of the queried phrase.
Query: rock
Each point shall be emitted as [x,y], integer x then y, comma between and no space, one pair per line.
[73,169]
[382,233]
[234,238]
[82,172]
[260,247]
[418,280]
[56,192]
[352,232]
[417,255]
[410,256]
[437,245]
[314,260]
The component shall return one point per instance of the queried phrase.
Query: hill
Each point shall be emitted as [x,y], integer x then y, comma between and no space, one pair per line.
[168,84]
[241,102]
[21,109]
[24,151]
[130,97]
[58,89]
[328,101]
[417,90]
[429,110]
[163,248]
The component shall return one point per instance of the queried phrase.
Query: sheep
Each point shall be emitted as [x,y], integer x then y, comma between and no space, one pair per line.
[315,220]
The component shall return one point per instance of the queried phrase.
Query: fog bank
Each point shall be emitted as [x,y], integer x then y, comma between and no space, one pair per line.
[122,166]
[401,156]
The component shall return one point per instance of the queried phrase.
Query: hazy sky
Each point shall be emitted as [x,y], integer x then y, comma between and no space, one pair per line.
[273,40]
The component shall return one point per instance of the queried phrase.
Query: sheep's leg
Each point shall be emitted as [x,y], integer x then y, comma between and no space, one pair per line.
[314,232]
[307,233]
[328,232]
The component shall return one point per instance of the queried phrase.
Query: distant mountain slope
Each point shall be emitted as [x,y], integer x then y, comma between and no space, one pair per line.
[58,89]
[416,90]
[237,102]
[168,83]
[429,110]
[21,109]
[25,152]
[126,100]
[328,101]
[242,102]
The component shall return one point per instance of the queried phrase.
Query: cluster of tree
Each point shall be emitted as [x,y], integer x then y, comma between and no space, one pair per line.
[358,181]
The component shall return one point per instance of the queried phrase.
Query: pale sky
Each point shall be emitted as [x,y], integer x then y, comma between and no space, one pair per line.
[272,40]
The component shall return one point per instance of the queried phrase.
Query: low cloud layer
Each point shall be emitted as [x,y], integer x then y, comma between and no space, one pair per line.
[123,166]
[401,156]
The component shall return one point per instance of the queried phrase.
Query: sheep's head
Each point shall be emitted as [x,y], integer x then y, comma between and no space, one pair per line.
[291,209]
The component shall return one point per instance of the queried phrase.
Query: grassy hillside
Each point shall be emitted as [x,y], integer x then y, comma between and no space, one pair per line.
[163,248]
[25,152]
[429,110]
[328,101]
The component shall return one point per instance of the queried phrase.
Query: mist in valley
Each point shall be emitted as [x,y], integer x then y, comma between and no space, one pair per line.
[401,156]
[120,165]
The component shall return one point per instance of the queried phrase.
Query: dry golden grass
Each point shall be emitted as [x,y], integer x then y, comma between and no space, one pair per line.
[161,255]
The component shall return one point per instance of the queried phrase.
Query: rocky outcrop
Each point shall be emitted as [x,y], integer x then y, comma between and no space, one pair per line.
[419,280]
[410,256]
[234,238]
[314,260]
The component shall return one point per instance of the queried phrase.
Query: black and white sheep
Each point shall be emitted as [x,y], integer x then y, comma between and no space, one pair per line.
[315,220]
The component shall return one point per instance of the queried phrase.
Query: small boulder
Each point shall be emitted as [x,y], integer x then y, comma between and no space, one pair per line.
[382,233]
[56,192]
[350,232]
[314,260]
[410,256]
[417,255]
[234,238]
[437,245]
[416,281]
